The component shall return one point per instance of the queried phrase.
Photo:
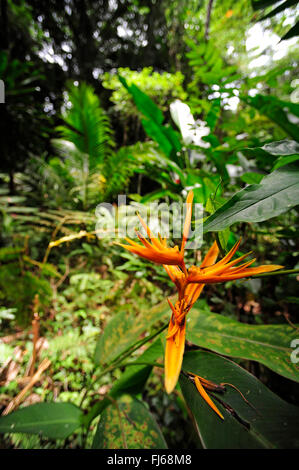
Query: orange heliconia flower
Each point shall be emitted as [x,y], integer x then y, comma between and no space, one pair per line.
[189,284]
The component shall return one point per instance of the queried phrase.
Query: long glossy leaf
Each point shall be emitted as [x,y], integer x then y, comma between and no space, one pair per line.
[277,149]
[165,136]
[124,329]
[281,7]
[53,420]
[144,103]
[267,422]
[276,193]
[267,344]
[259,4]
[127,424]
[155,131]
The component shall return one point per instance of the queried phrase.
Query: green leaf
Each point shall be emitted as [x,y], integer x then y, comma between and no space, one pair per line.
[269,422]
[127,424]
[267,344]
[143,102]
[281,7]
[251,177]
[124,329]
[276,110]
[277,193]
[278,148]
[259,4]
[165,136]
[52,420]
[282,161]
[155,131]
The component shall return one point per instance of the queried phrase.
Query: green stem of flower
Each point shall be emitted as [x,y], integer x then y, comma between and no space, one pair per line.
[219,245]
[118,360]
[127,352]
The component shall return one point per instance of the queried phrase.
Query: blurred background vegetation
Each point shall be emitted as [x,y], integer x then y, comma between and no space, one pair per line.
[94,93]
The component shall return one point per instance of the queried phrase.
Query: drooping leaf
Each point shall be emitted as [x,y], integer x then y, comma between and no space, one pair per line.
[143,102]
[277,193]
[52,420]
[267,422]
[281,7]
[267,344]
[165,136]
[155,131]
[127,424]
[259,4]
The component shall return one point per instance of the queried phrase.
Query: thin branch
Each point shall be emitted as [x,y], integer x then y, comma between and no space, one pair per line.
[208,19]
[15,402]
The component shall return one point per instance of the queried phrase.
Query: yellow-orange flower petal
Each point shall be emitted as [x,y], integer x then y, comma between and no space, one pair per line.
[225,269]
[206,397]
[211,256]
[174,352]
[187,222]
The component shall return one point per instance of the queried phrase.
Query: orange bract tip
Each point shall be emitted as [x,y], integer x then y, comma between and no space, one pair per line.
[206,397]
[174,352]
[211,256]
[190,197]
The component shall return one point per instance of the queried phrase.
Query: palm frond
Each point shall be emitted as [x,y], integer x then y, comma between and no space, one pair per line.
[86,124]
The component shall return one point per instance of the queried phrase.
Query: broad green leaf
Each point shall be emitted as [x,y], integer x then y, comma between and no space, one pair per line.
[277,193]
[124,329]
[282,161]
[53,420]
[155,131]
[165,136]
[143,102]
[281,7]
[269,422]
[252,177]
[127,424]
[268,344]
[277,149]
[260,4]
